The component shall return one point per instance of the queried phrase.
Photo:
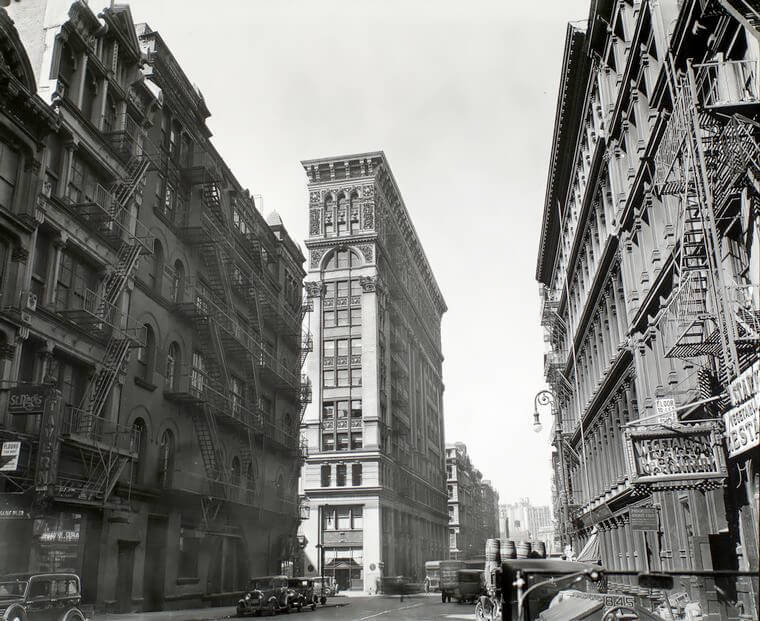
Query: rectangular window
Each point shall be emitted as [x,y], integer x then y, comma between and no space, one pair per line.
[342,409]
[8,175]
[356,440]
[342,318]
[343,517]
[340,475]
[343,377]
[357,514]
[329,378]
[356,475]
[342,441]
[356,408]
[342,347]
[342,286]
[330,320]
[325,475]
[189,548]
[356,287]
[40,265]
[328,410]
[330,290]
[328,441]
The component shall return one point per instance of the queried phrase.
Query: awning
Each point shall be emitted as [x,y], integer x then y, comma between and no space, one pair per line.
[590,552]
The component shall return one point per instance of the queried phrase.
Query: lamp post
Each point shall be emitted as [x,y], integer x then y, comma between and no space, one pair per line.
[546,397]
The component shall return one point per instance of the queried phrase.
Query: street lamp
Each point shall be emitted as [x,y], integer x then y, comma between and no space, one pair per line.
[546,397]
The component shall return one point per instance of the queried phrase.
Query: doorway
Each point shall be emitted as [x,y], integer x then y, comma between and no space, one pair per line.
[125,575]
[155,564]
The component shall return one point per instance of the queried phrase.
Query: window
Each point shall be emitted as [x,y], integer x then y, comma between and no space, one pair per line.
[236,471]
[157,267]
[329,217]
[172,362]
[109,116]
[166,458]
[178,282]
[66,68]
[146,355]
[342,518]
[340,475]
[325,475]
[342,215]
[356,440]
[189,547]
[140,434]
[75,277]
[40,265]
[356,474]
[197,373]
[8,174]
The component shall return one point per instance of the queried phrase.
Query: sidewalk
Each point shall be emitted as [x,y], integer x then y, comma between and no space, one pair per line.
[168,615]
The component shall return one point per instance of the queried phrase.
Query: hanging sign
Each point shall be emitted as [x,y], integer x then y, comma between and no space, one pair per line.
[643,518]
[9,454]
[28,399]
[49,449]
[743,420]
[666,411]
[687,457]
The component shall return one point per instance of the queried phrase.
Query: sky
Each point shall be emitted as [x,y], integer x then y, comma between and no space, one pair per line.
[461,97]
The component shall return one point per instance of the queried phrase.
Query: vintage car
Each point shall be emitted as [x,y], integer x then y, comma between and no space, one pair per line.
[324,588]
[470,585]
[266,594]
[303,593]
[448,578]
[43,597]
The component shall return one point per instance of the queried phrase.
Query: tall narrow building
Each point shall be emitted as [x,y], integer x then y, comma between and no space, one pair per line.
[374,478]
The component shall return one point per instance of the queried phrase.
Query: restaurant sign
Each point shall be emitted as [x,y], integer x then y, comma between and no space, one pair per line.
[743,419]
[28,399]
[677,457]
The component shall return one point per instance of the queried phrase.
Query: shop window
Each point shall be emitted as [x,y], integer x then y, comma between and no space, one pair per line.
[189,548]
[340,475]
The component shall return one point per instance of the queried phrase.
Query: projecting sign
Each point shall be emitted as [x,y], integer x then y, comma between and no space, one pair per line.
[9,454]
[644,518]
[666,411]
[743,420]
[28,399]
[686,457]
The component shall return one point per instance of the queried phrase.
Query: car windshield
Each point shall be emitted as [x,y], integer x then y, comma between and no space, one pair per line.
[12,589]
[260,584]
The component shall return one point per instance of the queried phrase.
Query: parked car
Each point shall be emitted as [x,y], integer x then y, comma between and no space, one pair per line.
[303,593]
[268,593]
[324,588]
[40,597]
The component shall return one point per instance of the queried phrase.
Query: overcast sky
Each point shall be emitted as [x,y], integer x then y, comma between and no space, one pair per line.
[461,97]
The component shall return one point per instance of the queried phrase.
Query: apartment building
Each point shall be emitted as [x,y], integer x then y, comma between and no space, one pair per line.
[649,268]
[374,478]
[473,505]
[154,342]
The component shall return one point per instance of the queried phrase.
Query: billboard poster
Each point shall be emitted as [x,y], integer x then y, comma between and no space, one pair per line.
[9,455]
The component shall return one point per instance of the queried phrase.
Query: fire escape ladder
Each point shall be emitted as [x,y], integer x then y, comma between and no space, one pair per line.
[208,443]
[108,370]
[124,189]
[126,262]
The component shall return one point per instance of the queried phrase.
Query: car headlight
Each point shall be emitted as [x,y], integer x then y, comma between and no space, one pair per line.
[247,596]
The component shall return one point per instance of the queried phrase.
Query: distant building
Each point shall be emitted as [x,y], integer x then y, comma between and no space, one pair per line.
[473,505]
[522,521]
[374,476]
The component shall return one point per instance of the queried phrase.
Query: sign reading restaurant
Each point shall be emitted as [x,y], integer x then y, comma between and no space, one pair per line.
[680,456]
[743,420]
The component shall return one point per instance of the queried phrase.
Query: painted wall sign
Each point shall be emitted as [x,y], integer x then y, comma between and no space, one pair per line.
[743,420]
[666,411]
[9,454]
[644,518]
[682,456]
[28,399]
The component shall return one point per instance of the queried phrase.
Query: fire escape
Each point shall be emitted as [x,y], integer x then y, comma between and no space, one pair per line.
[106,448]
[709,157]
[235,268]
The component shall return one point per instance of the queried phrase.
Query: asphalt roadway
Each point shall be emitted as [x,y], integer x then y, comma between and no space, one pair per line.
[380,607]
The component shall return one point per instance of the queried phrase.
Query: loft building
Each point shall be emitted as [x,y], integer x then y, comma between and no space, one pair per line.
[473,505]
[374,478]
[649,268]
[153,339]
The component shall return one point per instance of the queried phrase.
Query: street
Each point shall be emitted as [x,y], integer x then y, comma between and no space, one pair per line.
[419,607]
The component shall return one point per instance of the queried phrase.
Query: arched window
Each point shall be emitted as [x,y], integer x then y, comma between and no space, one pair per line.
[172,365]
[342,259]
[178,282]
[140,436]
[166,458]
[235,471]
[146,355]
[154,278]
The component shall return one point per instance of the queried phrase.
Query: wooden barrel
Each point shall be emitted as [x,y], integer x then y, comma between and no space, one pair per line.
[492,550]
[507,549]
[523,549]
[488,572]
[539,547]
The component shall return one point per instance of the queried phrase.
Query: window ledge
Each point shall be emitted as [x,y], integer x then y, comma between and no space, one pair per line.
[188,580]
[145,384]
